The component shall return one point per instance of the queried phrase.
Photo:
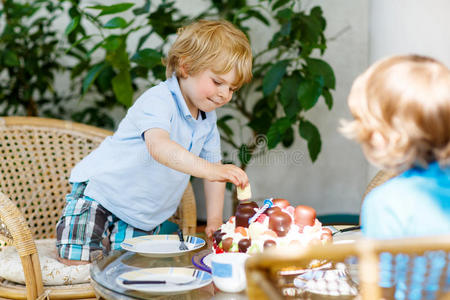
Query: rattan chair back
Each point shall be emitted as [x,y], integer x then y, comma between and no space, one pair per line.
[37,155]
[281,274]
[379,178]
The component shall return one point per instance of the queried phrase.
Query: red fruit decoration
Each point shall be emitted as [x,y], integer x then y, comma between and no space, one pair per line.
[243,215]
[304,215]
[247,204]
[283,203]
[244,244]
[280,222]
[227,243]
[261,218]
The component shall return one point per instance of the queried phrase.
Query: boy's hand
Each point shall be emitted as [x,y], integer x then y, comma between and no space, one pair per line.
[211,226]
[230,173]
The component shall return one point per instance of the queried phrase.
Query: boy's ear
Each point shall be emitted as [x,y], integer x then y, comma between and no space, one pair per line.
[184,69]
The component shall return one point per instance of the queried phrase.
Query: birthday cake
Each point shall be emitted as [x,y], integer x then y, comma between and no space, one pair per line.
[276,224]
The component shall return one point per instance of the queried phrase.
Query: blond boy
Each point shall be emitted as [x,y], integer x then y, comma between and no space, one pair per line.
[134,181]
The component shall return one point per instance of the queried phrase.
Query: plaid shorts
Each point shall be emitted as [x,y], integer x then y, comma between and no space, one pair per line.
[85,223]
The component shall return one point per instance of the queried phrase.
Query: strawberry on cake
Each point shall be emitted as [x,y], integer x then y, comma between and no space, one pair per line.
[280,225]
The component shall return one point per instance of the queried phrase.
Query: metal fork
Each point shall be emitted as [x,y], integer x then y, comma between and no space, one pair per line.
[182,244]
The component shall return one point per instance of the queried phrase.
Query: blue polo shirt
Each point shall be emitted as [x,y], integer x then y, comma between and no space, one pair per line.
[122,175]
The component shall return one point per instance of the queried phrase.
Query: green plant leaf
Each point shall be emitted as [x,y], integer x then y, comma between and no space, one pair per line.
[112,9]
[288,95]
[119,58]
[229,186]
[288,138]
[311,134]
[116,22]
[72,25]
[279,4]
[309,91]
[143,39]
[112,43]
[104,79]
[222,124]
[244,155]
[285,14]
[92,75]
[286,29]
[328,98]
[122,88]
[276,132]
[273,76]
[11,59]
[256,14]
[273,136]
[76,43]
[321,68]
[261,122]
[147,58]
[142,10]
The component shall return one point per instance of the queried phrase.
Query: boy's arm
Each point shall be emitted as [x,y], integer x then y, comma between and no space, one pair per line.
[214,196]
[172,155]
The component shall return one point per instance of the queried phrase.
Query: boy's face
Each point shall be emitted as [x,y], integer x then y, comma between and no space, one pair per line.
[207,90]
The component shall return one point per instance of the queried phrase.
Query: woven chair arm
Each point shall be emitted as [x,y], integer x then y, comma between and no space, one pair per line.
[17,226]
[189,208]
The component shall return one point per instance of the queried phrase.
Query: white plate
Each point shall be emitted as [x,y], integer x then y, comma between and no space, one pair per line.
[347,237]
[161,245]
[200,279]
[207,260]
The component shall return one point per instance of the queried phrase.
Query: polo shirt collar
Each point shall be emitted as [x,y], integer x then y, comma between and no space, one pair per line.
[174,88]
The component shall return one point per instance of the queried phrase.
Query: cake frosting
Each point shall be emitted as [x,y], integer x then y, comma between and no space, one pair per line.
[281,225]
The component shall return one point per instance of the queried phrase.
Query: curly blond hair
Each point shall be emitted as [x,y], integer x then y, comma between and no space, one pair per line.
[401,110]
[215,45]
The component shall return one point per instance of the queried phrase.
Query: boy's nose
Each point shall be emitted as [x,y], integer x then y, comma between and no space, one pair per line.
[225,93]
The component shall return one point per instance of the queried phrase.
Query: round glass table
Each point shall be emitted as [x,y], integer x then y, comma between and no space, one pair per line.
[105,270]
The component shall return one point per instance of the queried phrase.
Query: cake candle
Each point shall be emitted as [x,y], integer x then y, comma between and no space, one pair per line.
[267,204]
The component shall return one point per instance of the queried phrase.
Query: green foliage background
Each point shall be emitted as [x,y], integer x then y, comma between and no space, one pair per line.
[108,68]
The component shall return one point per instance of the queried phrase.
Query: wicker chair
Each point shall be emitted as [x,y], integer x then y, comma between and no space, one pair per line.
[379,178]
[37,156]
[275,274]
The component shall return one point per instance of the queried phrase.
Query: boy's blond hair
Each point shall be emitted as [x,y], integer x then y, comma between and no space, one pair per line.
[214,45]
[401,110]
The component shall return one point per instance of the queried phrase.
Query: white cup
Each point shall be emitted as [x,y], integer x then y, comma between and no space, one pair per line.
[228,271]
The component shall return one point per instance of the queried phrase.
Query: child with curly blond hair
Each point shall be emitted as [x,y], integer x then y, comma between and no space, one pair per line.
[401,110]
